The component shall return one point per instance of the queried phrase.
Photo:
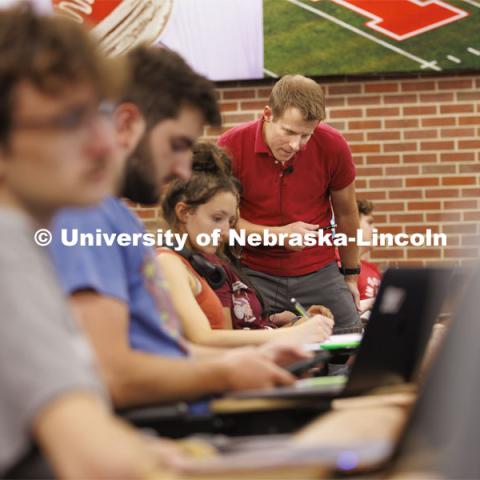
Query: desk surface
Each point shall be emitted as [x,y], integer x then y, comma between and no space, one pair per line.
[379,417]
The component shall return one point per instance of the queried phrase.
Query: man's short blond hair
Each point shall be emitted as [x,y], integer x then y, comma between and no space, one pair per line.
[297,91]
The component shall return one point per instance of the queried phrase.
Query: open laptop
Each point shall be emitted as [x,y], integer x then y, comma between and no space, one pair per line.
[406,307]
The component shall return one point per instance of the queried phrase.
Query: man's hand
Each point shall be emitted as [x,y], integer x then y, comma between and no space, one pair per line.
[250,369]
[320,310]
[282,318]
[351,281]
[298,228]
[283,352]
[315,329]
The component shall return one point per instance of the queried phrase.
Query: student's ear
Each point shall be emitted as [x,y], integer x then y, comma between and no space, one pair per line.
[130,126]
[181,212]
[267,114]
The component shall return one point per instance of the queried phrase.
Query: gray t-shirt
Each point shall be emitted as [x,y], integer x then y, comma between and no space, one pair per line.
[42,353]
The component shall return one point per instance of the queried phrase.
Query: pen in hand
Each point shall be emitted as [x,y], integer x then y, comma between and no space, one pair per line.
[300,308]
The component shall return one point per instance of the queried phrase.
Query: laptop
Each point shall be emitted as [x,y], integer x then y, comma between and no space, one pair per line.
[407,304]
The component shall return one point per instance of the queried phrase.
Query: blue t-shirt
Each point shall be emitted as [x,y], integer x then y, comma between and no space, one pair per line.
[130,274]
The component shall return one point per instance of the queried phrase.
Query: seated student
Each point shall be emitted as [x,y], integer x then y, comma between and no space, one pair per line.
[209,201]
[370,276]
[119,292]
[54,148]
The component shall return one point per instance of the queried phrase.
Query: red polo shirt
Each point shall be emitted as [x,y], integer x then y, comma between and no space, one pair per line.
[274,194]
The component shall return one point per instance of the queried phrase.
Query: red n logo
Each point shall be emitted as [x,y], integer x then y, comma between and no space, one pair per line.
[402,19]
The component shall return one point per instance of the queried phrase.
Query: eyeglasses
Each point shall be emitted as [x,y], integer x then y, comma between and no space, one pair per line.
[77,117]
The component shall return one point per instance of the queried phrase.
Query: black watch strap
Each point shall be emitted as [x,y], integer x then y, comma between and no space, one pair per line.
[349,271]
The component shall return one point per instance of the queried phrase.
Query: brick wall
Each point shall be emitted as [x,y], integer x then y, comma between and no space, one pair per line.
[416,144]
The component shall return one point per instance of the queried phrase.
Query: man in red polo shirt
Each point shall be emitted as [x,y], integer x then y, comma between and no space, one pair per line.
[293,170]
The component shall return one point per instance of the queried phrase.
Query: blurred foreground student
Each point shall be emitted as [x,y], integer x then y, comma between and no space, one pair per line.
[54,152]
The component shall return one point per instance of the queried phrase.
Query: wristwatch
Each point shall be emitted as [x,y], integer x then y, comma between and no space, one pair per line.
[349,271]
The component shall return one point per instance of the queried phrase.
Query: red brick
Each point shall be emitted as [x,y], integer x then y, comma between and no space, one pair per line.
[383,135]
[423,110]
[421,252]
[346,113]
[369,171]
[235,118]
[379,219]
[424,205]
[360,184]
[373,195]
[401,170]
[462,108]
[458,157]
[338,125]
[255,105]
[460,204]
[365,125]
[344,89]
[383,112]
[400,147]
[406,218]
[454,84]
[471,240]
[364,100]
[228,106]
[419,134]
[390,229]
[400,99]
[389,253]
[416,86]
[472,216]
[354,136]
[336,102]
[439,145]
[381,87]
[404,194]
[420,158]
[429,169]
[469,120]
[438,121]
[444,217]
[402,123]
[469,168]
[459,181]
[436,97]
[442,193]
[390,207]
[421,182]
[458,228]
[381,159]
[386,183]
[469,144]
[365,148]
[470,192]
[411,229]
[461,253]
[358,159]
[263,92]
[236,94]
[457,132]
[408,263]
[464,96]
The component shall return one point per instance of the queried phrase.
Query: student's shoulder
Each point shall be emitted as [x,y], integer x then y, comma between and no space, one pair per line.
[110,212]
